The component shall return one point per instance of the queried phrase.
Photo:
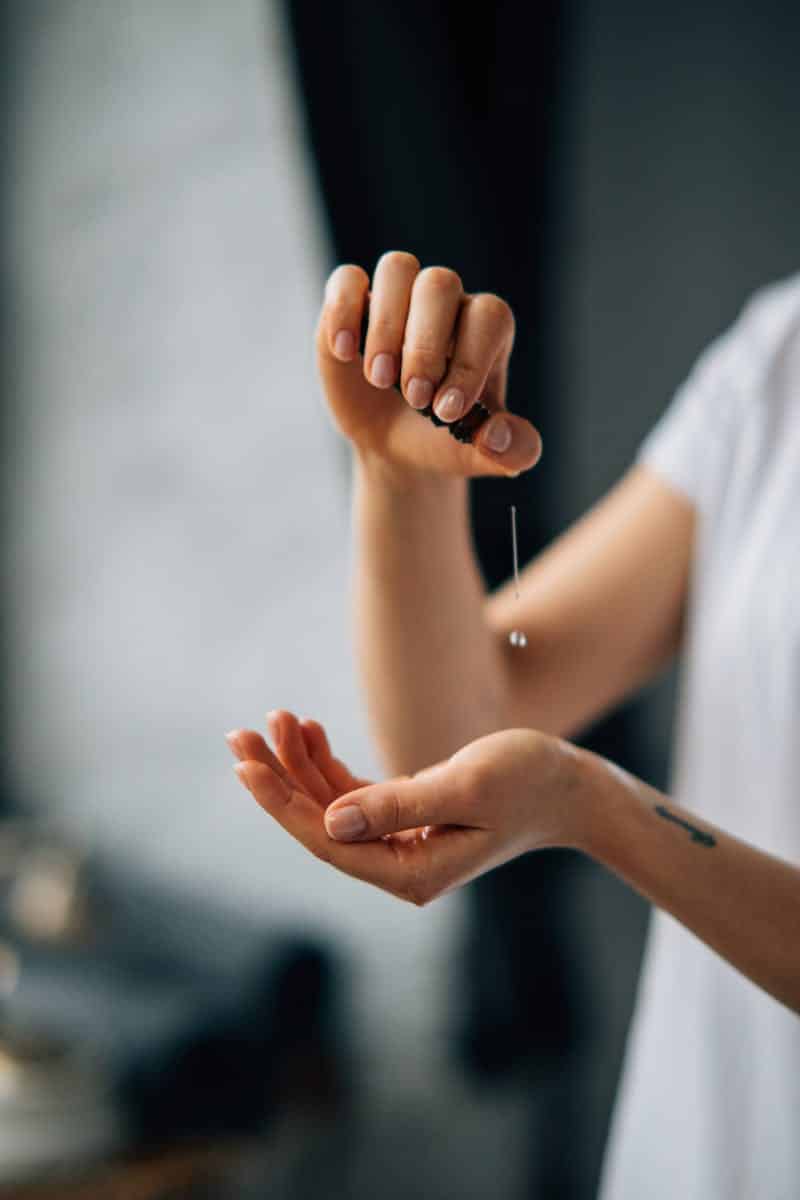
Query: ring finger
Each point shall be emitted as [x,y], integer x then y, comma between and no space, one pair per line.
[484,337]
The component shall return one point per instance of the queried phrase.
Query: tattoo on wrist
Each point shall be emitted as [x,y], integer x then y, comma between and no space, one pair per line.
[697,835]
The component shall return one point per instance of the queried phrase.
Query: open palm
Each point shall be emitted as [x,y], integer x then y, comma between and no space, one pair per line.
[417,836]
[298,783]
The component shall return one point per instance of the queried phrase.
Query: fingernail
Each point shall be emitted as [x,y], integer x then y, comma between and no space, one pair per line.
[382,373]
[346,823]
[419,392]
[498,435]
[450,406]
[344,346]
[232,739]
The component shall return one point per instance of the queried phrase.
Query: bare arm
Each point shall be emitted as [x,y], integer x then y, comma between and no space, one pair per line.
[432,670]
[517,791]
[739,900]
[602,609]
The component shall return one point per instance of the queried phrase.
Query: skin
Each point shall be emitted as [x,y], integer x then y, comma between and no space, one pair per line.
[521,790]
[475,731]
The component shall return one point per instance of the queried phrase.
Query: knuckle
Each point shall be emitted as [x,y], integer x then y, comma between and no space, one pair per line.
[423,360]
[399,259]
[339,307]
[345,276]
[425,365]
[384,814]
[392,810]
[493,308]
[464,372]
[384,324]
[419,810]
[440,279]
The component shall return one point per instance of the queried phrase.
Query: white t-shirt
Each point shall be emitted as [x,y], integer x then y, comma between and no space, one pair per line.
[709,1103]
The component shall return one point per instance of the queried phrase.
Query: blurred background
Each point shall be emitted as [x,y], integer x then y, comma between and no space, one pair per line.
[190,1005]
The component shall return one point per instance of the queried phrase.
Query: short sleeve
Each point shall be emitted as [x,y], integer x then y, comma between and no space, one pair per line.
[692,445]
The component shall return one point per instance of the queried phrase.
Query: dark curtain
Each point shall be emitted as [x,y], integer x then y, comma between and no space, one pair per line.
[434,129]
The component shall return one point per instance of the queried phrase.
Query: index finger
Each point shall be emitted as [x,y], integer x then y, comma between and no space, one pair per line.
[247,744]
[345,295]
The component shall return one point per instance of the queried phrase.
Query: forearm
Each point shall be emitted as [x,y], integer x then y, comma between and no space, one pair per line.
[431,667]
[742,902]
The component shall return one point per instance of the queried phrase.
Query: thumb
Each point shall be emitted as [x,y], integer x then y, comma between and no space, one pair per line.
[430,798]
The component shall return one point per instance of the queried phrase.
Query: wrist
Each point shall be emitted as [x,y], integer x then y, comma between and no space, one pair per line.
[608,794]
[374,471]
[567,779]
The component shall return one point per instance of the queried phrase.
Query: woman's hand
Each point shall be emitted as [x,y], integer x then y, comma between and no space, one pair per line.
[427,340]
[418,837]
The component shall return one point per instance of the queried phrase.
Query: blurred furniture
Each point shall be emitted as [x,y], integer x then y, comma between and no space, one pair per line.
[136,1019]
[171,1175]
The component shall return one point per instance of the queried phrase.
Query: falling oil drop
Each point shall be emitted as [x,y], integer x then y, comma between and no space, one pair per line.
[516,637]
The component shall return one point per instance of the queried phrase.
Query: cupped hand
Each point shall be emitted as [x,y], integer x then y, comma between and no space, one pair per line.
[423,835]
[428,342]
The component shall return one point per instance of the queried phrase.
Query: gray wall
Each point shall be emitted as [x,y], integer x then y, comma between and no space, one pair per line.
[680,189]
[679,194]
[179,551]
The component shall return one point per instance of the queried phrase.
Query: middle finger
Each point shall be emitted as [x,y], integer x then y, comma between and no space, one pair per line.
[293,753]
[435,305]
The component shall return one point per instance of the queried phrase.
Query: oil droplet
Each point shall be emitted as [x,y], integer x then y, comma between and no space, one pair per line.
[516,637]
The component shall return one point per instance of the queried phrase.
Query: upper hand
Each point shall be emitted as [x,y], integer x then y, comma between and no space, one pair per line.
[498,797]
[430,338]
